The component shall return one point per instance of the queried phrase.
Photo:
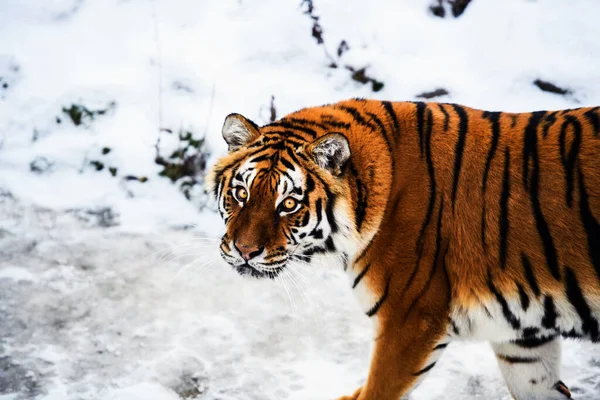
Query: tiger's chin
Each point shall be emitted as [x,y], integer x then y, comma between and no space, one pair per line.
[250,271]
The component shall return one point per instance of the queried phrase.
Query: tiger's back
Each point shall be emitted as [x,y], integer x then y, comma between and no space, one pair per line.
[523,240]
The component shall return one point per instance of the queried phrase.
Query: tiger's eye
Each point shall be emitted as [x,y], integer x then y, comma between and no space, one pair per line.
[241,194]
[289,204]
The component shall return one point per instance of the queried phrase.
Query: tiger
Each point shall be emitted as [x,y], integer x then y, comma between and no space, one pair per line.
[452,223]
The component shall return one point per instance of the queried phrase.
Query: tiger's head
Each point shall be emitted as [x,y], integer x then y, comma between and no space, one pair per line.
[280,193]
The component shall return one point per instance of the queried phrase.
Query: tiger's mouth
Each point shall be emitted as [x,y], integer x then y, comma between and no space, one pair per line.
[248,270]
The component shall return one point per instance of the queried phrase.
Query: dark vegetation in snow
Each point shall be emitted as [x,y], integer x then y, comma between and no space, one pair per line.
[457,7]
[272,110]
[357,74]
[79,114]
[551,87]
[433,94]
[186,165]
[41,165]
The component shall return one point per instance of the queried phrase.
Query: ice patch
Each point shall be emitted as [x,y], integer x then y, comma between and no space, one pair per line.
[17,274]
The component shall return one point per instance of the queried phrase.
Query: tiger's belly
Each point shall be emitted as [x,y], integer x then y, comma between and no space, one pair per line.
[506,319]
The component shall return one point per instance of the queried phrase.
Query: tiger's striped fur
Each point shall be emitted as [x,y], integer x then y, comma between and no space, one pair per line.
[453,222]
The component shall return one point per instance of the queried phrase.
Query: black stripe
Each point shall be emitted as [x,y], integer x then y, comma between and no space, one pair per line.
[487,312]
[529,275]
[548,122]
[386,137]
[360,211]
[446,116]
[504,216]
[364,251]
[291,154]
[533,342]
[381,127]
[278,142]
[576,297]
[293,127]
[432,185]
[531,182]
[345,260]
[530,150]
[550,314]
[383,297]
[568,160]
[590,224]
[517,360]
[303,121]
[572,334]
[256,144]
[454,327]
[287,136]
[460,147]
[361,275]
[216,184]
[424,370]
[332,122]
[494,118]
[389,108]
[305,220]
[330,200]
[508,314]
[263,157]
[357,117]
[310,184]
[441,346]
[319,210]
[289,237]
[434,266]
[420,117]
[319,207]
[287,164]
[329,245]
[298,191]
[593,118]
[530,331]
[523,297]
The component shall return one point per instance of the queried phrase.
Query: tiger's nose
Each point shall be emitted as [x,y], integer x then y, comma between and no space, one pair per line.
[247,251]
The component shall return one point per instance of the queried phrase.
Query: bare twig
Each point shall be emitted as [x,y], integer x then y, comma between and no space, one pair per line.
[273,110]
[210,109]
[357,74]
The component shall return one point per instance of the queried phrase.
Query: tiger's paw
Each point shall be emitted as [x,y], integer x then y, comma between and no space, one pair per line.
[354,395]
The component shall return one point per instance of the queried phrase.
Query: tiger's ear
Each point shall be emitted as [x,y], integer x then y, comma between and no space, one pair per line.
[239,131]
[330,152]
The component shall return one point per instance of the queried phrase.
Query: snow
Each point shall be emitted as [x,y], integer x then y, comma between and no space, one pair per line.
[113,288]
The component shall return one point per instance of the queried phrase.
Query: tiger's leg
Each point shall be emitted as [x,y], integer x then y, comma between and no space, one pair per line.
[401,359]
[531,369]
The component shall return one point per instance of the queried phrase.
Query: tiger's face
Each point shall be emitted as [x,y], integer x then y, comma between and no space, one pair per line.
[277,196]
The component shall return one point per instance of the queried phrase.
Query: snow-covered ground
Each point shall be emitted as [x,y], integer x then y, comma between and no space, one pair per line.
[98,299]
